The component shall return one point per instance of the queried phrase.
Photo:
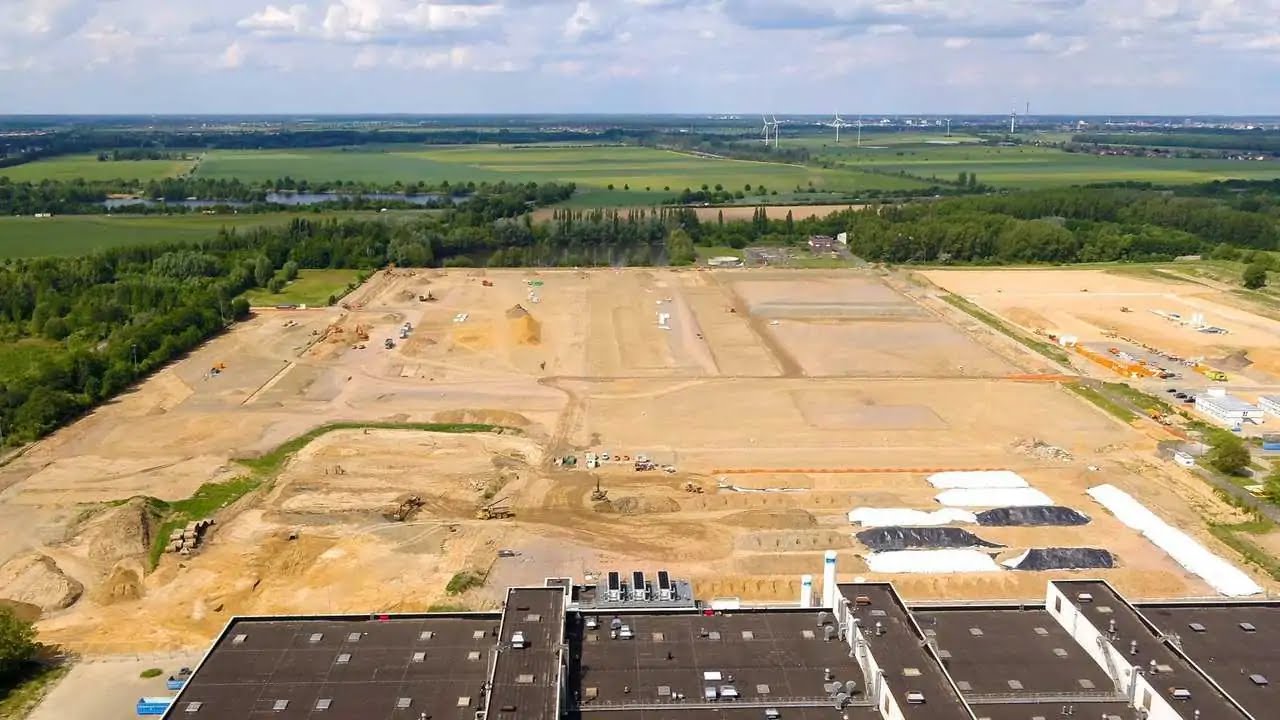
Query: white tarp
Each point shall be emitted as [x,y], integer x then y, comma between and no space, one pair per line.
[931,561]
[891,517]
[977,479]
[993,497]
[1222,575]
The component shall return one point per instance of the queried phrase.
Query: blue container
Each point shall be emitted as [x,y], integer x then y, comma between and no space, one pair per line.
[153,706]
[174,683]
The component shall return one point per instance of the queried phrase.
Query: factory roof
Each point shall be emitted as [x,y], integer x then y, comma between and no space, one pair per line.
[527,672]
[1226,403]
[353,668]
[1147,647]
[1234,644]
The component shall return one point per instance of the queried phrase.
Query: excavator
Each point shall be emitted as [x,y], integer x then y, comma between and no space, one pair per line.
[599,494]
[405,509]
[495,510]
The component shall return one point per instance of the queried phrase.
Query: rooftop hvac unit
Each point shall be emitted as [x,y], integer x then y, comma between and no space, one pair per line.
[915,697]
[517,640]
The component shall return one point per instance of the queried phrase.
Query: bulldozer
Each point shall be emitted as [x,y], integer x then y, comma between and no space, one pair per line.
[694,488]
[405,509]
[362,332]
[495,511]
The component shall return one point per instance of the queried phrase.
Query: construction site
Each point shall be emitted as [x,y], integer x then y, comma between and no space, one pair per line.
[440,436]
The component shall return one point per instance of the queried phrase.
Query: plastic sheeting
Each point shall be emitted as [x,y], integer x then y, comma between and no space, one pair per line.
[931,561]
[1222,575]
[971,479]
[1062,559]
[907,538]
[993,497]
[886,517]
[1033,516]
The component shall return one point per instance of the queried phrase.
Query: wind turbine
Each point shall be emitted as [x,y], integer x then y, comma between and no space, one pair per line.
[1013,117]
[859,130]
[775,131]
[838,123]
[768,126]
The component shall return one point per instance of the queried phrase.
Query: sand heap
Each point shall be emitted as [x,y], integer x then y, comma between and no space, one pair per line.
[118,533]
[36,579]
[525,330]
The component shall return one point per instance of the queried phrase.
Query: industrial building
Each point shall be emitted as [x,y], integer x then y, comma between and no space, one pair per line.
[1228,410]
[1083,652]
[1270,403]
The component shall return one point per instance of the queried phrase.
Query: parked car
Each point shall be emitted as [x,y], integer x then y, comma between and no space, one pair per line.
[1171,390]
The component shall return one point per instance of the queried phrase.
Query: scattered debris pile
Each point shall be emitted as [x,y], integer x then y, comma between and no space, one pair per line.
[1034,516]
[1041,450]
[37,580]
[1062,559]
[185,540]
[913,538]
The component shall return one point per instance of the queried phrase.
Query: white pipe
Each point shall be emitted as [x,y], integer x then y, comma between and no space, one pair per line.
[829,581]
[806,591]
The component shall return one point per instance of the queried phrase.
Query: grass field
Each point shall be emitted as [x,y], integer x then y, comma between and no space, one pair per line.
[81,234]
[638,175]
[88,167]
[313,288]
[1036,167]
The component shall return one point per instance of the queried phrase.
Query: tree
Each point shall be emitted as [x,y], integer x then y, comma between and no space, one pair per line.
[263,270]
[290,271]
[275,284]
[1255,275]
[1271,486]
[962,179]
[1228,454]
[240,308]
[17,642]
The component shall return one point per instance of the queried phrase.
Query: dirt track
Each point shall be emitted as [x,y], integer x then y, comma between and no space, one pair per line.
[837,385]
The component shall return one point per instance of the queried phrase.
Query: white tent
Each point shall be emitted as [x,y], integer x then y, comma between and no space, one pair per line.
[977,479]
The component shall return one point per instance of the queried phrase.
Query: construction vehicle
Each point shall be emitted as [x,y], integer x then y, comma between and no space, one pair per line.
[1125,309]
[694,488]
[405,509]
[645,465]
[388,343]
[487,283]
[362,332]
[599,494]
[427,298]
[495,511]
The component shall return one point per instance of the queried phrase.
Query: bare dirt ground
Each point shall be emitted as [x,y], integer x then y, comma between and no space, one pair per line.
[850,400]
[1087,304]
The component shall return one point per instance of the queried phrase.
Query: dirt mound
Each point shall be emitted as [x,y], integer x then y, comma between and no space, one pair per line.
[1041,450]
[770,519]
[638,505]
[525,329]
[124,583]
[1062,559]
[26,612]
[36,579]
[1237,361]
[118,533]
[905,538]
[505,418]
[1034,516]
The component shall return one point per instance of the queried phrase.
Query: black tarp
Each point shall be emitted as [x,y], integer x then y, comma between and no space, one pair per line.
[1065,559]
[1032,516]
[915,538]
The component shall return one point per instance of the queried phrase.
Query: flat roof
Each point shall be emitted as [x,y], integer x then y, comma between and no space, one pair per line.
[1053,711]
[902,653]
[1227,652]
[765,655]
[1173,671]
[364,667]
[993,654]
[1227,403]
[526,681]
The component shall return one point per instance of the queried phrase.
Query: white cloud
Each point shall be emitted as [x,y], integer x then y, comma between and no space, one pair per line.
[956,43]
[272,20]
[232,58]
[584,24]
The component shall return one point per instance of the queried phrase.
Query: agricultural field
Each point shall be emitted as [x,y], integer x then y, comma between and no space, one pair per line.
[647,172]
[1039,167]
[83,234]
[312,288]
[88,167]
[781,400]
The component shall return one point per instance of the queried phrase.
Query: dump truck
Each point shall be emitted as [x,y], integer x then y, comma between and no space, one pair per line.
[690,487]
[495,511]
[388,343]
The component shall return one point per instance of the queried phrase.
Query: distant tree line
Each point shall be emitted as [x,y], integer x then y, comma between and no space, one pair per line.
[1250,140]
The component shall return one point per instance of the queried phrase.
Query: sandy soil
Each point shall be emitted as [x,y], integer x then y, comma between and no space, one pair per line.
[851,399]
[1087,304]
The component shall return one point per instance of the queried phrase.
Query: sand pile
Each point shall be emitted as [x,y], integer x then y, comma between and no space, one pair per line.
[632,505]
[768,519]
[525,330]
[36,579]
[505,418]
[119,533]
[122,584]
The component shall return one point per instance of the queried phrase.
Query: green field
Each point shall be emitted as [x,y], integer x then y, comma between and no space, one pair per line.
[639,175]
[312,288]
[82,234]
[88,167]
[1039,167]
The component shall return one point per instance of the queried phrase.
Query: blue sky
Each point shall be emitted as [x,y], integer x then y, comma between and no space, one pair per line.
[743,56]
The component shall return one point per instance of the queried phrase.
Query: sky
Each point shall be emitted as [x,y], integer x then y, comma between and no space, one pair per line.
[640,56]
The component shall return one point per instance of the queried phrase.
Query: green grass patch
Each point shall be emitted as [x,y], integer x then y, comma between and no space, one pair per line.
[1235,537]
[87,167]
[1112,407]
[207,500]
[311,288]
[150,673]
[65,235]
[21,695]
[1053,352]
[444,607]
[1141,400]
[464,581]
